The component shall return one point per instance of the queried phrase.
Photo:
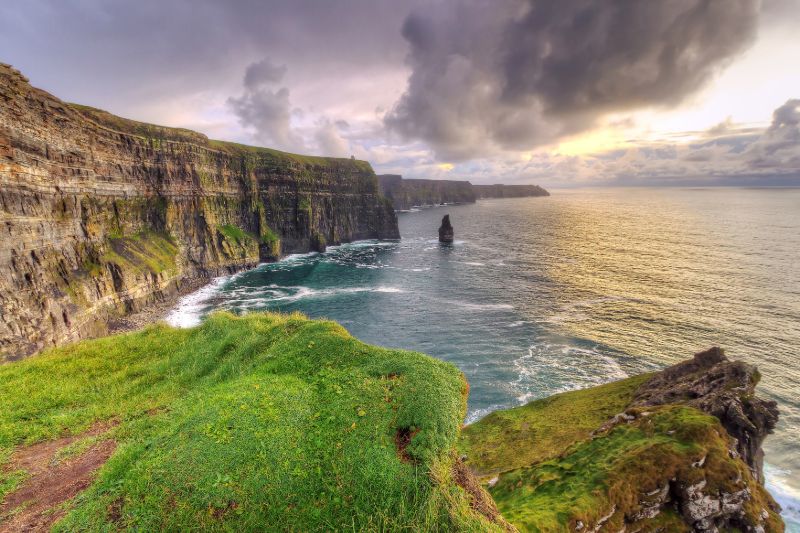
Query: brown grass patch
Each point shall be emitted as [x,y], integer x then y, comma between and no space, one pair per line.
[37,503]
[479,500]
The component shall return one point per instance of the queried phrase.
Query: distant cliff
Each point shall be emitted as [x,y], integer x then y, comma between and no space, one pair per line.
[407,193]
[102,215]
[508,191]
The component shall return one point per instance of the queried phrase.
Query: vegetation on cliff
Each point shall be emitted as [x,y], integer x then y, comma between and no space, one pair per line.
[594,458]
[267,421]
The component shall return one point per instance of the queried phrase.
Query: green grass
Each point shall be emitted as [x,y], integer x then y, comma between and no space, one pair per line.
[513,438]
[146,251]
[614,470]
[265,422]
[271,154]
[236,234]
[553,471]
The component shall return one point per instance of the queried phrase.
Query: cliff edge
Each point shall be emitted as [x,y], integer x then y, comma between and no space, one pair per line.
[678,450]
[100,215]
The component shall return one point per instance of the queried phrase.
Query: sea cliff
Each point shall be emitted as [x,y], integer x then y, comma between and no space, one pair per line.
[508,191]
[102,215]
[407,193]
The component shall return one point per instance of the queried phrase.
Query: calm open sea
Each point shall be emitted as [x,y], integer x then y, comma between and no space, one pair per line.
[542,295]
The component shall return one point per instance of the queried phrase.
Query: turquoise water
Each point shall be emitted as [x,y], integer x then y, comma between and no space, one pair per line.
[541,295]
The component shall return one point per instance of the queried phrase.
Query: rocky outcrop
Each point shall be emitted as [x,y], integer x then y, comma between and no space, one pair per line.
[407,193]
[508,191]
[724,389]
[678,450]
[446,230]
[100,216]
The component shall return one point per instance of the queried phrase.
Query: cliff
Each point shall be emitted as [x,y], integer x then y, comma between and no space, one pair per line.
[407,193]
[261,423]
[679,450]
[102,215]
[508,191]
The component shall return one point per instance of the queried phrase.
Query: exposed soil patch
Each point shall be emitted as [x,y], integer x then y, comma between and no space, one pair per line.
[480,500]
[402,439]
[35,505]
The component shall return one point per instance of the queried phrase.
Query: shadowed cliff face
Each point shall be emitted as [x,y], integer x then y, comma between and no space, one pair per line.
[407,193]
[102,215]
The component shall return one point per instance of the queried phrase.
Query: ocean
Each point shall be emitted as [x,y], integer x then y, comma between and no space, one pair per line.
[543,295]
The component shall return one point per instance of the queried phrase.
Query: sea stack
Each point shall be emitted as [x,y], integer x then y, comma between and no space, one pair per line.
[446,230]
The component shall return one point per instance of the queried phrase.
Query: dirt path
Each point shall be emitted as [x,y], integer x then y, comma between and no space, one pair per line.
[37,503]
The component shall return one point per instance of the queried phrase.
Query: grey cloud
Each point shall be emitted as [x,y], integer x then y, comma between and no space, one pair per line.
[263,72]
[267,111]
[330,142]
[514,74]
[779,147]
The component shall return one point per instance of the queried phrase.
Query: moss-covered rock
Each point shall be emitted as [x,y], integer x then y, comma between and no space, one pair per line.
[636,455]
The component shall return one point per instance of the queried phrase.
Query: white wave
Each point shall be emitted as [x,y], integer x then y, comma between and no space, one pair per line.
[479,307]
[294,293]
[477,414]
[188,311]
[553,368]
[777,483]
[518,323]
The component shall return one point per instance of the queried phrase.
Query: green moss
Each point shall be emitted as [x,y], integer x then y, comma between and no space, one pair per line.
[269,154]
[505,440]
[146,251]
[236,234]
[264,422]
[612,471]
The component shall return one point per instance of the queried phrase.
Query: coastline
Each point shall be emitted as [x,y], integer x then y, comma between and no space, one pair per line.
[156,311]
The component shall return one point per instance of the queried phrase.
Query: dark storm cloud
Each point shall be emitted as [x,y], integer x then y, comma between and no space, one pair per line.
[515,74]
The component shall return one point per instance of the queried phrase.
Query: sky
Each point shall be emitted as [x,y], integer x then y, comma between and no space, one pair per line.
[560,93]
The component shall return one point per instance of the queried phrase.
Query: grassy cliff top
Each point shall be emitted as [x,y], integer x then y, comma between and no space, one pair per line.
[262,422]
[153,131]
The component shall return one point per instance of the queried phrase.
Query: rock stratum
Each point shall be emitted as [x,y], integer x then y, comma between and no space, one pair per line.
[101,215]
[407,193]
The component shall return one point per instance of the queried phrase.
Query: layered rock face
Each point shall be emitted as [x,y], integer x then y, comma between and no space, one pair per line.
[102,215]
[508,191]
[407,193]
